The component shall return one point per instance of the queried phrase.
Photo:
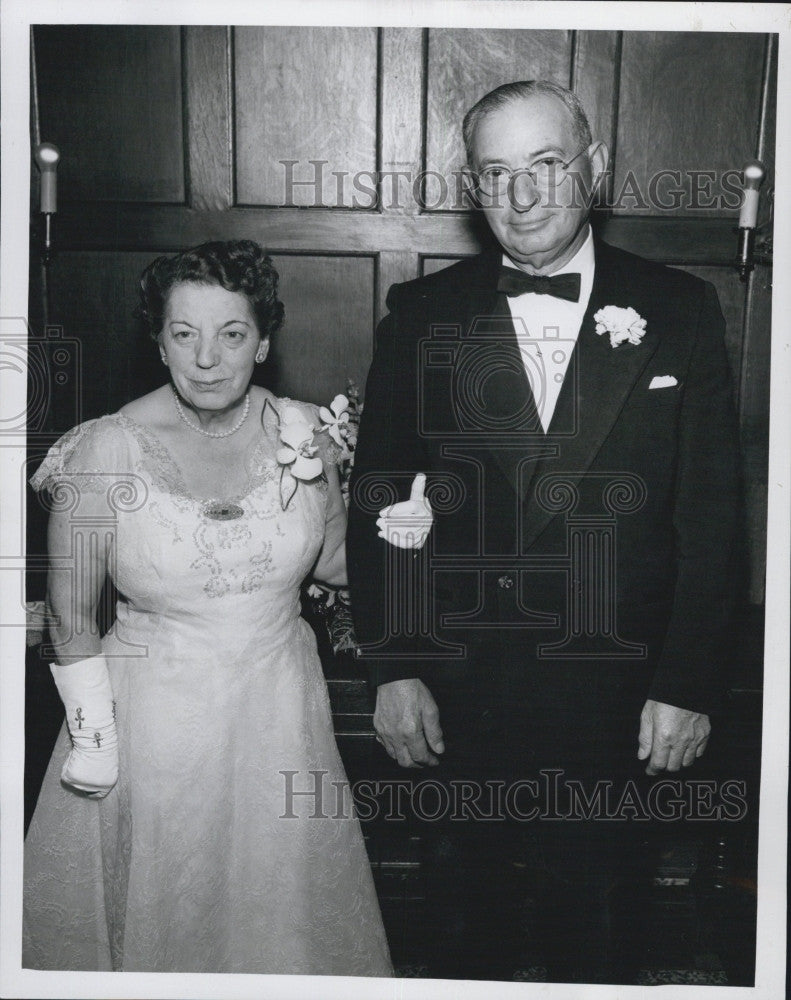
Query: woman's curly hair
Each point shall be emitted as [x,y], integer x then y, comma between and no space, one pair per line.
[236,265]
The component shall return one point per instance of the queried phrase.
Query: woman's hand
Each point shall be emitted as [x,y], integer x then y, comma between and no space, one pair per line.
[84,688]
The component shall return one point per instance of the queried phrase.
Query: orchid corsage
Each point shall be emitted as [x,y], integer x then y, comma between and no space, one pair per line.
[297,455]
[336,422]
[622,324]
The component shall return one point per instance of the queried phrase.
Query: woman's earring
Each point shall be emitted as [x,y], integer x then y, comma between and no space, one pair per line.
[260,355]
[164,359]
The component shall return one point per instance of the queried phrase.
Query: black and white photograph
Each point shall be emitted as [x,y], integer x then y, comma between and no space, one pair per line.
[395,436]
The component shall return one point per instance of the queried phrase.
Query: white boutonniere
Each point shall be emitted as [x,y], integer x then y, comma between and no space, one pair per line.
[621,324]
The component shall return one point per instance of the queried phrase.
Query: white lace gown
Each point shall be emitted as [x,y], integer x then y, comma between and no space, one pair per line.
[199,860]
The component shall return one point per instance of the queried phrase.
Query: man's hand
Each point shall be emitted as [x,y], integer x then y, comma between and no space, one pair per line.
[671,737]
[406,720]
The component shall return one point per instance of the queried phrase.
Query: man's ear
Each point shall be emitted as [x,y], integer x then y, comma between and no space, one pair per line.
[470,185]
[599,158]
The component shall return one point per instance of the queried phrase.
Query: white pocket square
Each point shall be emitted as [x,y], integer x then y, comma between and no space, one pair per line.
[663,382]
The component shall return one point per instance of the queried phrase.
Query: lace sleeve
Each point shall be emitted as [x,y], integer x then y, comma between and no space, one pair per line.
[84,458]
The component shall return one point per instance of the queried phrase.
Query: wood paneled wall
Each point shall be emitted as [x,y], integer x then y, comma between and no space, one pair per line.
[170,136]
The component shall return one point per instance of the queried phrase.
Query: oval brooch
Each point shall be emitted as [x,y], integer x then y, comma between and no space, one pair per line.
[222,510]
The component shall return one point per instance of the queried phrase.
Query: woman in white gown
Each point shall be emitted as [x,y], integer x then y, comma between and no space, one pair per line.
[174,838]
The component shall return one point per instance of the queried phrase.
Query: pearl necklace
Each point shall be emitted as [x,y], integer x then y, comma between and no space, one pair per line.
[212,434]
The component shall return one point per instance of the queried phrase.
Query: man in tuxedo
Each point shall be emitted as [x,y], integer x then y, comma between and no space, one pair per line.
[563,626]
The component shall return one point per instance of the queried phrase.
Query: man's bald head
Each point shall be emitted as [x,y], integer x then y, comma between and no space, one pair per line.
[510,92]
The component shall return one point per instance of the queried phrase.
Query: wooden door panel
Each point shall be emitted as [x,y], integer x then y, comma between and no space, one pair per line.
[754,422]
[93,296]
[430,265]
[207,57]
[755,370]
[593,80]
[110,98]
[688,101]
[304,94]
[326,337]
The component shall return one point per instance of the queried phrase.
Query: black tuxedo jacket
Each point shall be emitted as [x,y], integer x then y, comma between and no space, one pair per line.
[559,561]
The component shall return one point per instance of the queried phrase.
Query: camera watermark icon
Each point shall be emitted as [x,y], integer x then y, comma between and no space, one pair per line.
[500,380]
[409,581]
[38,369]
[88,506]
[500,584]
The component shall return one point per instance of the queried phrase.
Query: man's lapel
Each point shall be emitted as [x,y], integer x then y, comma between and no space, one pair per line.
[599,379]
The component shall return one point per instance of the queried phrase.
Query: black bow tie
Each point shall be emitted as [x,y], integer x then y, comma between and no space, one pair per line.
[562,286]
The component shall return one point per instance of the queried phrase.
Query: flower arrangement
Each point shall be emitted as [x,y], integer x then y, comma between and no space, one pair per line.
[333,607]
[342,421]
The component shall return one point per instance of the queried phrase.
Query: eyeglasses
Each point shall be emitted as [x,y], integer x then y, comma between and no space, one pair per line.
[547,174]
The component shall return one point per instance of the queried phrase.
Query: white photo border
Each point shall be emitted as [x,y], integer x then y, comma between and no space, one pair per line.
[16,17]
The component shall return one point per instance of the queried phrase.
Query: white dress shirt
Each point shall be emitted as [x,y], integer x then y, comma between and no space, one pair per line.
[547,329]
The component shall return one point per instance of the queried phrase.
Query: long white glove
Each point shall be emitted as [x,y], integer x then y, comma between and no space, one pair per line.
[406,525]
[84,688]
